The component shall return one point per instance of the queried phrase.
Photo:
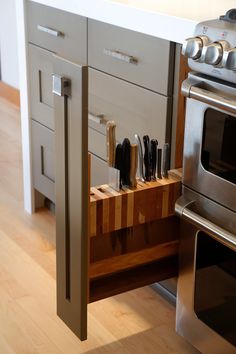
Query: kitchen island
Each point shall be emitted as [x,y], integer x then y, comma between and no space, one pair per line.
[137,68]
[162,19]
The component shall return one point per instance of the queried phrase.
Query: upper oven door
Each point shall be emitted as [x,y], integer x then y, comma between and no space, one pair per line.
[210,139]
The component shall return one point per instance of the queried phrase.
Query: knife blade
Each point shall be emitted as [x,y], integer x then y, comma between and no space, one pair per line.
[118,162]
[154,144]
[133,164]
[140,156]
[126,162]
[147,157]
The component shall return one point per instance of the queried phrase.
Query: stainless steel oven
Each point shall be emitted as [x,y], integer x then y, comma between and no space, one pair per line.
[210,138]
[206,295]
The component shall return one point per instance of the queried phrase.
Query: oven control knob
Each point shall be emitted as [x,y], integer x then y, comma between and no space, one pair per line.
[229,59]
[212,54]
[192,47]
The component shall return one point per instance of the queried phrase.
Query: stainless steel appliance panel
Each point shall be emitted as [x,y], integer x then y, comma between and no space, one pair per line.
[198,214]
[195,176]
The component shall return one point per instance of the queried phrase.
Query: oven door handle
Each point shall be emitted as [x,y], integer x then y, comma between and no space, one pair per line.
[223,236]
[190,89]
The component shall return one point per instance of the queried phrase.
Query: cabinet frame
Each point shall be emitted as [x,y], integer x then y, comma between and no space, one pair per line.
[71,136]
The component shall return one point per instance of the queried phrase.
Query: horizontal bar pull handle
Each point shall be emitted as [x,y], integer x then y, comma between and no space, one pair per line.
[97,118]
[218,233]
[120,56]
[192,90]
[50,31]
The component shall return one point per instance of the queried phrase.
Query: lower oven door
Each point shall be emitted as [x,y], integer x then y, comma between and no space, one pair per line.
[206,296]
[209,142]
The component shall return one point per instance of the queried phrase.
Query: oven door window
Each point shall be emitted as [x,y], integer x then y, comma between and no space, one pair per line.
[215,286]
[219,144]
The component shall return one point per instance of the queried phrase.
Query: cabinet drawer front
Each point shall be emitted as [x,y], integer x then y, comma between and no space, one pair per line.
[43,160]
[134,109]
[97,143]
[40,80]
[99,171]
[135,57]
[59,31]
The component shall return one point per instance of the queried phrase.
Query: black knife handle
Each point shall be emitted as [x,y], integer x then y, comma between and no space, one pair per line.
[159,162]
[147,157]
[154,144]
[126,162]
[166,160]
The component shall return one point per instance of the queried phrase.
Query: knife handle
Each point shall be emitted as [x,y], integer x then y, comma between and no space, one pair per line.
[147,157]
[166,157]
[133,164]
[140,155]
[126,162]
[111,142]
[154,144]
[159,161]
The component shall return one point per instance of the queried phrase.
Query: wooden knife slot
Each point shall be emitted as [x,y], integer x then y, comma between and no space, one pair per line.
[111,210]
[133,236]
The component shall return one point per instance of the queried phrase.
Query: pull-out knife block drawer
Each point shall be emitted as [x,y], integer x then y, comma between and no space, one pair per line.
[111,210]
[133,236]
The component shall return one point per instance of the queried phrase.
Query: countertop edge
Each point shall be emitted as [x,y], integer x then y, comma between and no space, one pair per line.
[152,23]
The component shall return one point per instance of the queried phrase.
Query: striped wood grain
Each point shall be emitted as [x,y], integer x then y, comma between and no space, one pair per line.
[111,210]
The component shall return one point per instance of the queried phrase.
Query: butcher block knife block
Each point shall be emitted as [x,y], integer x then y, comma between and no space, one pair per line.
[134,236]
[111,210]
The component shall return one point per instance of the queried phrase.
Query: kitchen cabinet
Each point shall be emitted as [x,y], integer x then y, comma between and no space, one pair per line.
[135,57]
[107,242]
[71,124]
[43,151]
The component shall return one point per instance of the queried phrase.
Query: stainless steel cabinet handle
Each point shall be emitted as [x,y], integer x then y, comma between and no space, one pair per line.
[61,86]
[97,118]
[193,90]
[221,235]
[50,31]
[120,56]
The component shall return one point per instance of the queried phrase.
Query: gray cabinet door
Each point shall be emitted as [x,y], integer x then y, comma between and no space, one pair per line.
[71,137]
[42,145]
[40,80]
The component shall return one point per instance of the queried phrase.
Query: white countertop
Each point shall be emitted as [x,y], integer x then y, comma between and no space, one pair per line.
[168,19]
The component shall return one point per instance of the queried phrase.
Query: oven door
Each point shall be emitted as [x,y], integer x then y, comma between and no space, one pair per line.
[206,297]
[210,139]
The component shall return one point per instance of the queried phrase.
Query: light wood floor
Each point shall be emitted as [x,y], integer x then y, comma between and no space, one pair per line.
[139,321]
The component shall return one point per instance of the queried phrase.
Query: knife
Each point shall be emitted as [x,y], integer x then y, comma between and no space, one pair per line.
[159,158]
[125,179]
[111,143]
[113,173]
[166,157]
[154,144]
[147,157]
[133,164]
[140,156]
[118,162]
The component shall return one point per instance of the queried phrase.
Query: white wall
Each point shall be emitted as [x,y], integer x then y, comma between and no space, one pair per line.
[8,43]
